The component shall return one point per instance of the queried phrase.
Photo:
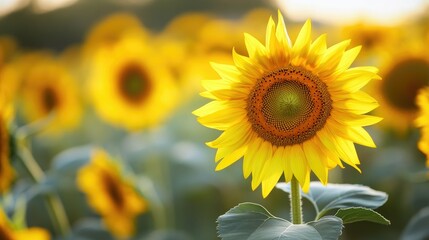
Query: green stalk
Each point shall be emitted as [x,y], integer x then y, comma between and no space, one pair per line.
[54,204]
[295,201]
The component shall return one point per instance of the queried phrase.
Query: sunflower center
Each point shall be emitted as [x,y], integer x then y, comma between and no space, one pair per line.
[402,83]
[49,99]
[133,83]
[4,233]
[288,106]
[113,190]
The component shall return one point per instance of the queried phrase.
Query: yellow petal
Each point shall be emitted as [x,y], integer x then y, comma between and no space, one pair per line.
[253,148]
[331,58]
[302,43]
[231,158]
[243,63]
[353,119]
[353,133]
[227,72]
[264,155]
[358,103]
[336,145]
[254,47]
[352,80]
[223,119]
[332,158]
[317,48]
[215,106]
[270,35]
[276,163]
[287,166]
[348,58]
[306,184]
[298,163]
[315,159]
[269,183]
[237,135]
[281,32]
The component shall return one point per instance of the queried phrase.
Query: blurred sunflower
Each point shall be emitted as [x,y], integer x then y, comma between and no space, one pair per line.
[49,87]
[112,196]
[373,38]
[130,87]
[7,173]
[210,45]
[404,73]
[422,121]
[8,233]
[10,81]
[289,108]
[110,30]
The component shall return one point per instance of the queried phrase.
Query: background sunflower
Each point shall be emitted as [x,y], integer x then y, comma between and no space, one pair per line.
[141,92]
[48,88]
[404,71]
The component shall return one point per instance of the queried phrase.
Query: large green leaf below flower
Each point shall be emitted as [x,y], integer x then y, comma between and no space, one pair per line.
[250,221]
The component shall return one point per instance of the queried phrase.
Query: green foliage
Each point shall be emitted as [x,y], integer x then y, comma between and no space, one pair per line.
[250,221]
[357,214]
[354,203]
[340,196]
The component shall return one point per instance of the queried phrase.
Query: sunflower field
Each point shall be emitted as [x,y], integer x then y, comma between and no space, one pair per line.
[214,119]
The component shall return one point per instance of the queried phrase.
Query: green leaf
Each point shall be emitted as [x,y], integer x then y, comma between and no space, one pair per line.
[72,159]
[357,214]
[329,227]
[336,196]
[417,228]
[250,221]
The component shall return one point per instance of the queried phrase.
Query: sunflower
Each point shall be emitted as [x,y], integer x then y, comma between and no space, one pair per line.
[404,73]
[422,121]
[49,87]
[7,174]
[8,233]
[112,196]
[288,108]
[372,37]
[110,30]
[130,87]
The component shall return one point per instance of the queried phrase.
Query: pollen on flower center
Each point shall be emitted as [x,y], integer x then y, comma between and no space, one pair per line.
[288,106]
[133,83]
[402,83]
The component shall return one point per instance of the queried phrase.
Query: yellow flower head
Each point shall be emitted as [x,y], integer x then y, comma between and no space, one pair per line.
[110,30]
[404,73]
[289,108]
[373,38]
[130,87]
[422,121]
[8,233]
[49,87]
[112,196]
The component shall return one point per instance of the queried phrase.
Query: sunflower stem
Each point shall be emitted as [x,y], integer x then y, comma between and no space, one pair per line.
[54,204]
[295,201]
